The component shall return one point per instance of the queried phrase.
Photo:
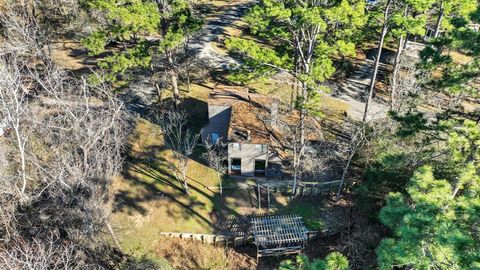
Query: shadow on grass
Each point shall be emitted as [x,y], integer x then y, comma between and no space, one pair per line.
[157,183]
[151,180]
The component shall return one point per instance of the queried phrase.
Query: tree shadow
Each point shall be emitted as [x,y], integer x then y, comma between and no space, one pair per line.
[154,182]
[387,57]
[197,111]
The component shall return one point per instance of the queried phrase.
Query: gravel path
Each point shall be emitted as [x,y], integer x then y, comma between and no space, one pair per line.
[214,28]
[353,91]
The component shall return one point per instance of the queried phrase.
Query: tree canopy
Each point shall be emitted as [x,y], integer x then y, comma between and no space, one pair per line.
[301,39]
[145,29]
[333,261]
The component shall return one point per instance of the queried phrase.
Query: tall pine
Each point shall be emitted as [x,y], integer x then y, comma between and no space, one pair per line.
[145,29]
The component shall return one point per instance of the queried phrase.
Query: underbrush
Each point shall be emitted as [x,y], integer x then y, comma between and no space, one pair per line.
[183,254]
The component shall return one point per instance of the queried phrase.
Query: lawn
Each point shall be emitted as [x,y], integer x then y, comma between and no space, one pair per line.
[148,199]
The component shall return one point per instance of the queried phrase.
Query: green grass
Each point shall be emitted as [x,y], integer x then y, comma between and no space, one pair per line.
[310,208]
[148,199]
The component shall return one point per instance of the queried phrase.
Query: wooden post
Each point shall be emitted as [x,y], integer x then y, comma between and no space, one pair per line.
[266,160]
[268,196]
[259,197]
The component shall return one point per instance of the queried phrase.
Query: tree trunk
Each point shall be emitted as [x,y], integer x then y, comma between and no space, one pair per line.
[293,95]
[300,148]
[396,67]
[184,178]
[114,237]
[186,48]
[176,93]
[159,92]
[377,60]
[405,42]
[438,25]
[174,78]
[219,176]
[295,165]
[188,79]
[344,174]
[375,71]
[303,113]
[21,149]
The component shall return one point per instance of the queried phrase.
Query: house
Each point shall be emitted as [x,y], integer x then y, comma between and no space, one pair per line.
[239,118]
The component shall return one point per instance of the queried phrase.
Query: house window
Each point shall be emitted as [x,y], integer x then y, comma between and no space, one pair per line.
[236,166]
[274,169]
[214,137]
[236,146]
[260,167]
[260,147]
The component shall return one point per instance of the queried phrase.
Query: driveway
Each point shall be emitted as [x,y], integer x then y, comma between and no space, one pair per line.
[215,27]
[353,91]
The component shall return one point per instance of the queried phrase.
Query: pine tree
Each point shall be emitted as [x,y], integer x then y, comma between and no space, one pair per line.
[135,24]
[455,80]
[449,9]
[333,261]
[436,224]
[411,22]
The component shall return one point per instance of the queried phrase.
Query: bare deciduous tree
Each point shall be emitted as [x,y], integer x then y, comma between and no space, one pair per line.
[14,110]
[216,155]
[296,147]
[65,144]
[181,140]
[320,159]
[405,85]
[49,253]
[357,135]
[62,144]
